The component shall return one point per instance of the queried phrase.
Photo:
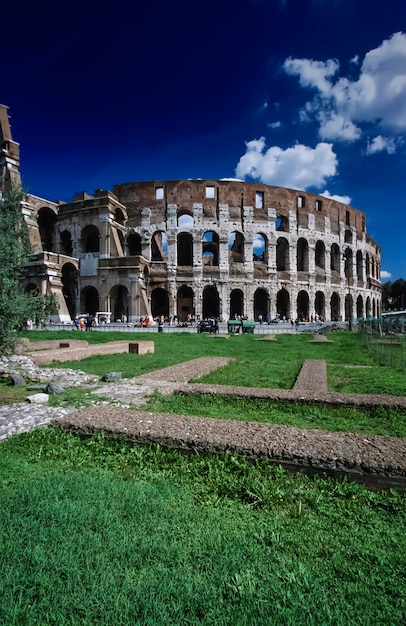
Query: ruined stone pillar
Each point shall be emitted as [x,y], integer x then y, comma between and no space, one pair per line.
[105,236]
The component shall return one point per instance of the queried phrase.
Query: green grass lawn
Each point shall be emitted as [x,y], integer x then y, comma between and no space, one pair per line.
[98,531]
[102,531]
[258,363]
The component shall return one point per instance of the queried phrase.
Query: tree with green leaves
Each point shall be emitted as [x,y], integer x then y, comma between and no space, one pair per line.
[399,293]
[387,298]
[16,307]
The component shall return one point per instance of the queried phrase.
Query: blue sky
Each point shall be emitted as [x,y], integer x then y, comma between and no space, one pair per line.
[308,94]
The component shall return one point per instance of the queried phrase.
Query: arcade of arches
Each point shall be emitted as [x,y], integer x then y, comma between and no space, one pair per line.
[209,304]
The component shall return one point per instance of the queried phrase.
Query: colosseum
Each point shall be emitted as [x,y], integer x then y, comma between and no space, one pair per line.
[197,249]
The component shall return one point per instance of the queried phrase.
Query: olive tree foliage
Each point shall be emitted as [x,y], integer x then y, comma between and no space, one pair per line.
[16,307]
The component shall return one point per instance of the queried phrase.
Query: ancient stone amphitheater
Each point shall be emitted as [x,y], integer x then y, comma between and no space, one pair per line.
[199,248]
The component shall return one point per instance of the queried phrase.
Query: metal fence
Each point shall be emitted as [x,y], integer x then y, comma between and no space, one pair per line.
[386,338]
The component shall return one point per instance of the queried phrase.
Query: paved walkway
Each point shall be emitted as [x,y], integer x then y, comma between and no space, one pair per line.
[312,377]
[311,386]
[377,461]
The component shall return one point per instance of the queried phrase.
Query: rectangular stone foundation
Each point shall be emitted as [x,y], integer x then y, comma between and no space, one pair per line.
[141,347]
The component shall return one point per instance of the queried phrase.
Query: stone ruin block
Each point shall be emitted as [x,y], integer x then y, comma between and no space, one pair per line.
[141,347]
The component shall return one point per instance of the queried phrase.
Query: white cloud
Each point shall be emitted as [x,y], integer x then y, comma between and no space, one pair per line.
[275,124]
[379,144]
[343,106]
[343,199]
[313,73]
[299,167]
[335,126]
[385,274]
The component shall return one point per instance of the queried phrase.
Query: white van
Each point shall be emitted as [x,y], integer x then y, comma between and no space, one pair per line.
[103,317]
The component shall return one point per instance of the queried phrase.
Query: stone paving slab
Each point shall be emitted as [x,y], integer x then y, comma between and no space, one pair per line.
[46,357]
[320,339]
[23,417]
[312,376]
[183,372]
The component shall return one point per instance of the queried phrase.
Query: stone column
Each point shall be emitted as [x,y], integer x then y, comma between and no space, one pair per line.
[105,236]
[145,226]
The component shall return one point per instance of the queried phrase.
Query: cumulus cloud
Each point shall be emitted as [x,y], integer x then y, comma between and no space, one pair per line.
[316,74]
[298,167]
[385,274]
[381,144]
[334,125]
[343,106]
[343,199]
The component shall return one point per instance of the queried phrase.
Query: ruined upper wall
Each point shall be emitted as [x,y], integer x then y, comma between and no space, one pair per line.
[5,130]
[9,152]
[236,194]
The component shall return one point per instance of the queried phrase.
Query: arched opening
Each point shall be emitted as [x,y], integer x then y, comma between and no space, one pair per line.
[66,243]
[335,258]
[211,303]
[368,308]
[282,255]
[348,308]
[282,223]
[46,225]
[236,304]
[90,239]
[119,303]
[348,264]
[185,249]
[119,216]
[283,304]
[302,255]
[159,246]
[236,247]
[133,245]
[259,248]
[89,300]
[320,306]
[159,303]
[320,256]
[335,307]
[303,306]
[69,288]
[360,307]
[260,305]
[31,288]
[185,221]
[185,303]
[210,249]
[360,271]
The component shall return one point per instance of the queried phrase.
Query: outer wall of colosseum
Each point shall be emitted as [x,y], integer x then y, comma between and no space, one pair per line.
[212,249]
[198,248]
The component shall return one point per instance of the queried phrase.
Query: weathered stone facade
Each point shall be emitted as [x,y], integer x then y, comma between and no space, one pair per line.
[204,248]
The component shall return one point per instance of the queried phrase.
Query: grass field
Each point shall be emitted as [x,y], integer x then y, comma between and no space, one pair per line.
[258,363]
[99,531]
